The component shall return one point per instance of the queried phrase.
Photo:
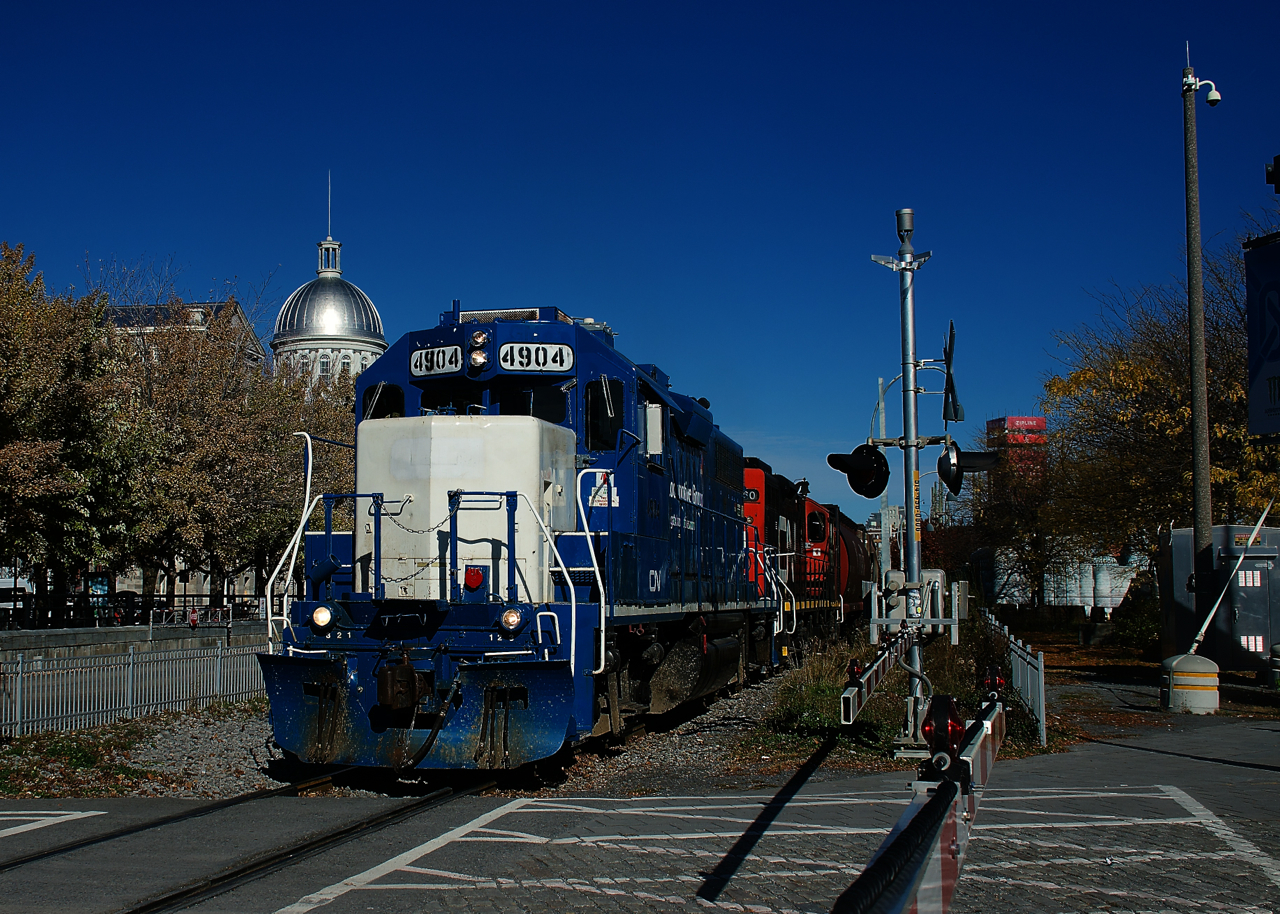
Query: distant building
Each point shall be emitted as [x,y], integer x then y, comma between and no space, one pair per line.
[328,324]
[141,320]
[1021,440]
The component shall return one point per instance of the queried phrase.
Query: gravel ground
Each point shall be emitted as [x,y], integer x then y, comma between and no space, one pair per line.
[225,751]
[217,752]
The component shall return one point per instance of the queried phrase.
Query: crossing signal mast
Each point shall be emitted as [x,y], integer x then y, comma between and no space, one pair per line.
[867,468]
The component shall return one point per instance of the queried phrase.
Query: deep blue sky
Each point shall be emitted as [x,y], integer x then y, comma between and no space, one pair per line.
[709,178]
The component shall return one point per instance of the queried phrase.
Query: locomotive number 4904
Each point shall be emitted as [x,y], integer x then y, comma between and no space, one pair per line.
[535,357]
[436,360]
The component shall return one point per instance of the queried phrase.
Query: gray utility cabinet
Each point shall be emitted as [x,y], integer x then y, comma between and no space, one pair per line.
[1248,619]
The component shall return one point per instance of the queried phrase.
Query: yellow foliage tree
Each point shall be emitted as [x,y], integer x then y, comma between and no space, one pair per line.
[1120,415]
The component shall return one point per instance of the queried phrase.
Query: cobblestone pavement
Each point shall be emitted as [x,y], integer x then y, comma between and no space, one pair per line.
[1081,831]
[1055,834]
[733,852]
[1139,849]
[1152,848]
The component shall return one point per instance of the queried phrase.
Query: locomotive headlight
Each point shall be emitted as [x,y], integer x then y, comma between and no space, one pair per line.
[511,619]
[478,339]
[479,358]
[322,619]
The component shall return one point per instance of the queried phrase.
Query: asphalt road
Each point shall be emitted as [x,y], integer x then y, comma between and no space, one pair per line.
[1185,817]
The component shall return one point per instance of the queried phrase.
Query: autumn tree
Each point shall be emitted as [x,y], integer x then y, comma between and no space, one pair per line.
[1014,515]
[222,474]
[67,431]
[1120,413]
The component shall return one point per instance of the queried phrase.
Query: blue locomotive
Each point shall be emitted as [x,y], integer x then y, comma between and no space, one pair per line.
[547,542]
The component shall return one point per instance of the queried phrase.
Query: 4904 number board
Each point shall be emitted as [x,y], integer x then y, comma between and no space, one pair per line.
[535,357]
[436,360]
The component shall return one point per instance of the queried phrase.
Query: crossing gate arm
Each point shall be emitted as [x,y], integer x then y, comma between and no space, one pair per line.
[917,867]
[855,698]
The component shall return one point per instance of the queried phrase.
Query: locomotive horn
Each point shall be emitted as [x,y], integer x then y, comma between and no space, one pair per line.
[866,469]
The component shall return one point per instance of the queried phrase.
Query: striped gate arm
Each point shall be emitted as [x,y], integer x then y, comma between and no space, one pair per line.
[916,869]
[855,698]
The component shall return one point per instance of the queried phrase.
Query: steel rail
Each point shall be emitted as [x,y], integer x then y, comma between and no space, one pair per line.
[204,810]
[265,864]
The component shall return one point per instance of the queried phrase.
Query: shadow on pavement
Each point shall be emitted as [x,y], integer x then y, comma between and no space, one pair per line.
[718,878]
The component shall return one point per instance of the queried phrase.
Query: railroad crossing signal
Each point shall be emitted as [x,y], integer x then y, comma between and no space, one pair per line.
[866,469]
[953,463]
[952,411]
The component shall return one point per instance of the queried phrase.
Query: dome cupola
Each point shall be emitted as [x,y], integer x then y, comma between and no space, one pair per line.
[329,323]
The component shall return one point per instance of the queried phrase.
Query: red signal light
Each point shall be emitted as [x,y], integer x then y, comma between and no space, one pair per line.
[992,681]
[943,727]
[854,672]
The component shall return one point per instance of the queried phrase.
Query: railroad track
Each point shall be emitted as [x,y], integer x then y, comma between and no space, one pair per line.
[267,863]
[259,865]
[289,790]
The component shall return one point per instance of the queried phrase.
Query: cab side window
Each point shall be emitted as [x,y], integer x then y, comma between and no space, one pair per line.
[383,401]
[817,528]
[605,404]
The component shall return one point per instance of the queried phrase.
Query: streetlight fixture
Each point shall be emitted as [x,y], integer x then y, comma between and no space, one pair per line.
[1202,505]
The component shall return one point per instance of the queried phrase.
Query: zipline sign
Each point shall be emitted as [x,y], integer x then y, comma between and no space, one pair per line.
[1262,303]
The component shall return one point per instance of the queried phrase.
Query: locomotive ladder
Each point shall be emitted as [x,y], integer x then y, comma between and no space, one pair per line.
[587,533]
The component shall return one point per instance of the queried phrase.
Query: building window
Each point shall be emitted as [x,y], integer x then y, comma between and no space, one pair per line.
[324,366]
[346,364]
[364,362]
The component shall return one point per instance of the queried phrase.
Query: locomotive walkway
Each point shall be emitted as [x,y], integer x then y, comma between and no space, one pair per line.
[1183,818]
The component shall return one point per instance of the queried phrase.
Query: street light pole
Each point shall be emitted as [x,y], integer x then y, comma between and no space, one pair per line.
[1202,505]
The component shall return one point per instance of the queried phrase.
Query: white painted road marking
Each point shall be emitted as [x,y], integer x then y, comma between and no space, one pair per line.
[362,880]
[1079,829]
[1225,834]
[40,818]
[727,810]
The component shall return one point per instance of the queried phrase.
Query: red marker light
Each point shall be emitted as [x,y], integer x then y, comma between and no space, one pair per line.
[943,727]
[474,578]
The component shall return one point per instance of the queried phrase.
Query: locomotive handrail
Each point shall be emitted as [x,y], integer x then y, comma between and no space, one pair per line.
[291,547]
[573,597]
[591,549]
[555,623]
[781,624]
[512,499]
[775,581]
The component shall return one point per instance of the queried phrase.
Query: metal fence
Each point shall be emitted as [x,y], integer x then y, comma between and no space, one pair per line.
[69,693]
[1026,671]
[80,610]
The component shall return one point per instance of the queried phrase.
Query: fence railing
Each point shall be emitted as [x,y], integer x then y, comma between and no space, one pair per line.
[70,693]
[1026,672]
[79,610]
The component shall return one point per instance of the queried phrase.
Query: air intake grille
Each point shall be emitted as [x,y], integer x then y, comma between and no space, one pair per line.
[517,314]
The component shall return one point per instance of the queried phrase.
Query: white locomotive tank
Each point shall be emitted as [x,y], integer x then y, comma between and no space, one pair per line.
[421,459]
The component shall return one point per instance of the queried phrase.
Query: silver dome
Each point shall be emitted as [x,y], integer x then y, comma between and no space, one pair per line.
[328,306]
